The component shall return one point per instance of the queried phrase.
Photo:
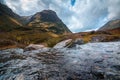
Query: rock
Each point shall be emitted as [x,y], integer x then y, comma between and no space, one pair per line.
[97,38]
[63,64]
[15,50]
[77,41]
[63,44]
[19,77]
[98,60]
[98,75]
[117,67]
[69,43]
[118,52]
[34,47]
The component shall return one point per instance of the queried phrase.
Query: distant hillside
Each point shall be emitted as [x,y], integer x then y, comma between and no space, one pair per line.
[109,32]
[111,25]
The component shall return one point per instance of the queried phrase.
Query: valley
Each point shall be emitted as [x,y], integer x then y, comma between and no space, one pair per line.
[42,47]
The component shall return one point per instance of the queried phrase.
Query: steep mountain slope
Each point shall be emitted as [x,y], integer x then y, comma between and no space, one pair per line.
[8,19]
[111,25]
[48,21]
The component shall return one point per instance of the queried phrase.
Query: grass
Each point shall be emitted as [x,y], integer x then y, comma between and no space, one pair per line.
[21,36]
[107,35]
[53,41]
[25,38]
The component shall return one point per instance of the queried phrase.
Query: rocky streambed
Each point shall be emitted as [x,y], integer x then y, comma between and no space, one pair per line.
[91,61]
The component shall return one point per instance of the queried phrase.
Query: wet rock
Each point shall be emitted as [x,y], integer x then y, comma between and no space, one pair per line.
[14,50]
[98,60]
[97,38]
[90,62]
[98,75]
[77,41]
[12,54]
[118,52]
[112,76]
[117,67]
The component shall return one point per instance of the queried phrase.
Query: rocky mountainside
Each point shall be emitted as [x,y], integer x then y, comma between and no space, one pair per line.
[48,21]
[111,25]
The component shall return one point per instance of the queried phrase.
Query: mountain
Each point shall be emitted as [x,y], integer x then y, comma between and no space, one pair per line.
[111,25]
[8,19]
[2,1]
[109,32]
[48,21]
[18,31]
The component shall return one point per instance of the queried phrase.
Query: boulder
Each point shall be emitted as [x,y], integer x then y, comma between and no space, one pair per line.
[63,44]
[34,47]
[97,38]
[69,43]
[77,41]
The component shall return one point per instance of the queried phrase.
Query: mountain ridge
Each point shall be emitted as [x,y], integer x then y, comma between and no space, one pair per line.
[113,24]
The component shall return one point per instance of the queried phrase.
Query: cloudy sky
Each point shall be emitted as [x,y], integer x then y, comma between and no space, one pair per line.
[78,15]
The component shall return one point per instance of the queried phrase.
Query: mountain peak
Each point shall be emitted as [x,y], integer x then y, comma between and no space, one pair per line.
[49,21]
[48,11]
[46,16]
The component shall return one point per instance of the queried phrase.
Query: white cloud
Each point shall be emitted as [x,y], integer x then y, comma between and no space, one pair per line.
[76,26]
[84,15]
[114,9]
